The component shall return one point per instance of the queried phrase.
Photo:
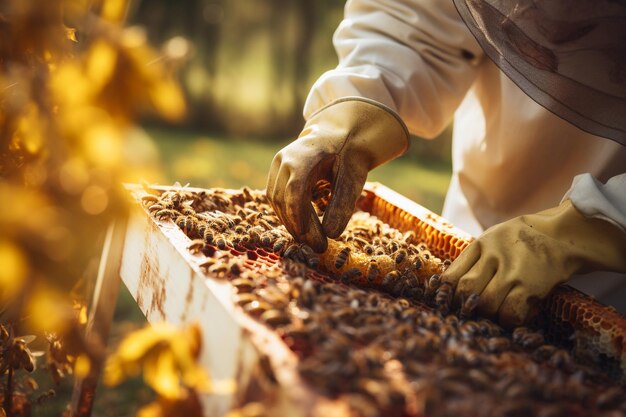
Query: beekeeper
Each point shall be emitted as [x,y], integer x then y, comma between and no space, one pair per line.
[538,94]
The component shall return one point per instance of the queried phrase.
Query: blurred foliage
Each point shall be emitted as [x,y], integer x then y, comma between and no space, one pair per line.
[167,357]
[250,64]
[246,67]
[72,81]
[236,162]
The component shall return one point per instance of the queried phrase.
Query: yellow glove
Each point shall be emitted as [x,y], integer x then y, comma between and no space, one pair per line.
[340,143]
[515,264]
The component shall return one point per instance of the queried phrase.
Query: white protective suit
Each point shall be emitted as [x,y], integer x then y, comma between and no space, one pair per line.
[510,155]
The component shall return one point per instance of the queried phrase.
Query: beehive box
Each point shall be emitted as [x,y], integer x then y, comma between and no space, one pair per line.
[306,336]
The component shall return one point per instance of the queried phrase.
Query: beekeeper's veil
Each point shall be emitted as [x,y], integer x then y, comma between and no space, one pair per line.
[567,55]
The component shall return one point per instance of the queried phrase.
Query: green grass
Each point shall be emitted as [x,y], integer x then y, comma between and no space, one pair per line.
[210,161]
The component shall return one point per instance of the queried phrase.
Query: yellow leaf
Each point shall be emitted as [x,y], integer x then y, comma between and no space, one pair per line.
[70,33]
[114,10]
[82,366]
[14,268]
[70,74]
[153,409]
[162,375]
[30,130]
[48,310]
[167,356]
[100,64]
[167,100]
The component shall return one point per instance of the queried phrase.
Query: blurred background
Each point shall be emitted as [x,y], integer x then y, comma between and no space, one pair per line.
[246,68]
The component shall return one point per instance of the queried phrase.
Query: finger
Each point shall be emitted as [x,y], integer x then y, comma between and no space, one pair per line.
[515,308]
[272,174]
[462,264]
[346,191]
[494,294]
[315,236]
[278,199]
[476,279]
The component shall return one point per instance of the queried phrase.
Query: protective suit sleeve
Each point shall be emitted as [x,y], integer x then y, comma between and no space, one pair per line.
[417,57]
[597,200]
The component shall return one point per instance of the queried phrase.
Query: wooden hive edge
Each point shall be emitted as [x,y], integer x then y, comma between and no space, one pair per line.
[168,285]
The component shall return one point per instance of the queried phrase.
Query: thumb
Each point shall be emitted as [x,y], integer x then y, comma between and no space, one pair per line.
[349,183]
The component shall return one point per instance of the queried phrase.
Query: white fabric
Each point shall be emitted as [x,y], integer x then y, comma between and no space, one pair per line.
[604,201]
[510,155]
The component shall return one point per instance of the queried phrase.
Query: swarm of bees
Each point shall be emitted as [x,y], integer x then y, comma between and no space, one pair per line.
[372,322]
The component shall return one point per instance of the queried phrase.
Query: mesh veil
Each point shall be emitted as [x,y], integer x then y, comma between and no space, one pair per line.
[567,55]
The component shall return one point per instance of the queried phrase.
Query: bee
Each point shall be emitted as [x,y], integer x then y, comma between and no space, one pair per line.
[279,244]
[469,305]
[243,284]
[235,266]
[256,308]
[392,247]
[240,229]
[149,200]
[218,224]
[498,344]
[294,252]
[543,352]
[188,224]
[489,328]
[349,275]
[45,396]
[400,256]
[265,224]
[165,214]
[369,249]
[187,210]
[452,321]
[390,278]
[360,241]
[267,239]
[380,252]
[372,272]
[218,268]
[196,245]
[469,329]
[207,263]
[312,259]
[255,234]
[416,262]
[409,237]
[156,207]
[221,242]
[275,318]
[209,236]
[398,287]
[526,338]
[433,283]
[247,193]
[560,359]
[342,257]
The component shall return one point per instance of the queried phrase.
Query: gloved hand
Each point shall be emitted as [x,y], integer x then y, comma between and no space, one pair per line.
[517,263]
[340,143]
